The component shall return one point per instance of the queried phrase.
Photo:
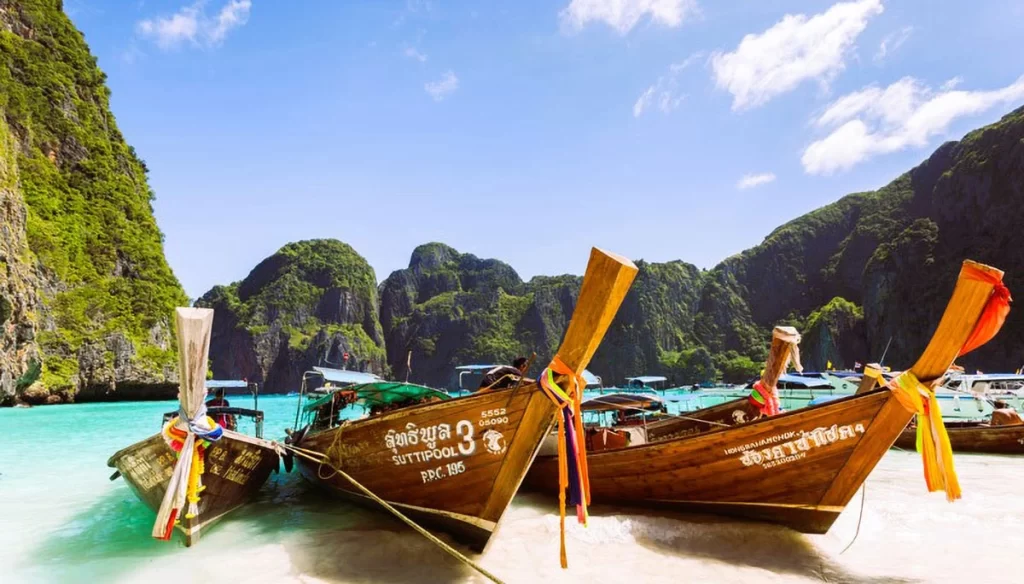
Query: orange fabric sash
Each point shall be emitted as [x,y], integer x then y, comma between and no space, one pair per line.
[994,315]
[572,397]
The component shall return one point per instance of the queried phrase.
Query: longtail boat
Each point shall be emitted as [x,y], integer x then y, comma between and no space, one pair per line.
[453,464]
[978,437]
[799,468]
[195,472]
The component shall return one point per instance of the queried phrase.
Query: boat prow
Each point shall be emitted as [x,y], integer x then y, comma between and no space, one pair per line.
[455,464]
[237,466]
[211,470]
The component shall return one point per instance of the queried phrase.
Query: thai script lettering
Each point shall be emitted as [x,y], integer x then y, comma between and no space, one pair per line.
[761,442]
[783,450]
[413,436]
[429,440]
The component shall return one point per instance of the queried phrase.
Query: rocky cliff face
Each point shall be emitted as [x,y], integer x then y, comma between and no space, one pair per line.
[19,303]
[895,252]
[852,275]
[450,309]
[88,291]
[306,305]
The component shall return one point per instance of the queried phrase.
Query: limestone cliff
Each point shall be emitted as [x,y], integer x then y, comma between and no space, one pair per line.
[449,309]
[851,275]
[306,305]
[88,289]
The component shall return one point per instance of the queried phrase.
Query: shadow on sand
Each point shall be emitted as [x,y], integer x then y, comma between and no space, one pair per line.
[341,541]
[740,543]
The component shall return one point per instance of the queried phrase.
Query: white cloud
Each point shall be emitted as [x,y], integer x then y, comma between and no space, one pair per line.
[664,93]
[893,41]
[443,87]
[794,50]
[623,15]
[414,54]
[192,25]
[906,114]
[952,83]
[750,181]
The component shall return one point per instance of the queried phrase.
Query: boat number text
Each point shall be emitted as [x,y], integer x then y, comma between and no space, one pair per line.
[493,417]
[791,446]
[449,470]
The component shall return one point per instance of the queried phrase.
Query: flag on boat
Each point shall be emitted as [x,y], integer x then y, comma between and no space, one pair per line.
[829,366]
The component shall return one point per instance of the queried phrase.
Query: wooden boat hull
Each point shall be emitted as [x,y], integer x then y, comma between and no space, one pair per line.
[974,438]
[236,468]
[797,469]
[452,465]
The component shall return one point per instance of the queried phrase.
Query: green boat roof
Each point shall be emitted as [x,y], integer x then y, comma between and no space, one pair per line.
[382,392]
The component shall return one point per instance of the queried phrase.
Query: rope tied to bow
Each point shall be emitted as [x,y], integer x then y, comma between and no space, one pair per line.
[766,398]
[179,433]
[572,451]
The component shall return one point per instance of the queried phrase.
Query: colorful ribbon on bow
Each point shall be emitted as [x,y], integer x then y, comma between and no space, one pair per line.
[767,401]
[572,452]
[766,398]
[932,438]
[175,437]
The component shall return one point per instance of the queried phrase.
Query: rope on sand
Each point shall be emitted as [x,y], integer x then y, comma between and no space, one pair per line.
[322,460]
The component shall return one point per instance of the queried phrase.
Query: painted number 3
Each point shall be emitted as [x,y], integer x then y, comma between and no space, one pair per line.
[465,429]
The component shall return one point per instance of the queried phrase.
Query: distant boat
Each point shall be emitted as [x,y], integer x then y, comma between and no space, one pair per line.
[978,437]
[1005,387]
[236,465]
[797,468]
[641,383]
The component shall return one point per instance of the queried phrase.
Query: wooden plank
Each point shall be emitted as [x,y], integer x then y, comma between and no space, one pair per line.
[958,321]
[605,285]
[868,381]
[778,356]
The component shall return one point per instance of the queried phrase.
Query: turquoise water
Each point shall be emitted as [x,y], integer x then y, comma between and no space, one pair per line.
[62,520]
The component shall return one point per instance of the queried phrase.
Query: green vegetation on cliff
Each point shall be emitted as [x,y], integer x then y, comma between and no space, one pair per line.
[851,275]
[90,221]
[305,305]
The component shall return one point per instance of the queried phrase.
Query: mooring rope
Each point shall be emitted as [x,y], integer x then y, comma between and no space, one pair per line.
[322,459]
[860,517]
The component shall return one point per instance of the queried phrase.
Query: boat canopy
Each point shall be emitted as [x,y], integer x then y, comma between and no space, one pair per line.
[226,383]
[383,392]
[590,379]
[645,379]
[475,368]
[622,401]
[346,376]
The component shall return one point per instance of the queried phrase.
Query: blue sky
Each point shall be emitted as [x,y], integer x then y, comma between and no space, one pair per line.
[529,131]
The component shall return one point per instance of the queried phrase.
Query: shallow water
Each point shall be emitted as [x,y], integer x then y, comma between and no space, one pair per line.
[61,520]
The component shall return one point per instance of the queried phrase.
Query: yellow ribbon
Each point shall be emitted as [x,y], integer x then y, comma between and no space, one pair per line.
[932,439]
